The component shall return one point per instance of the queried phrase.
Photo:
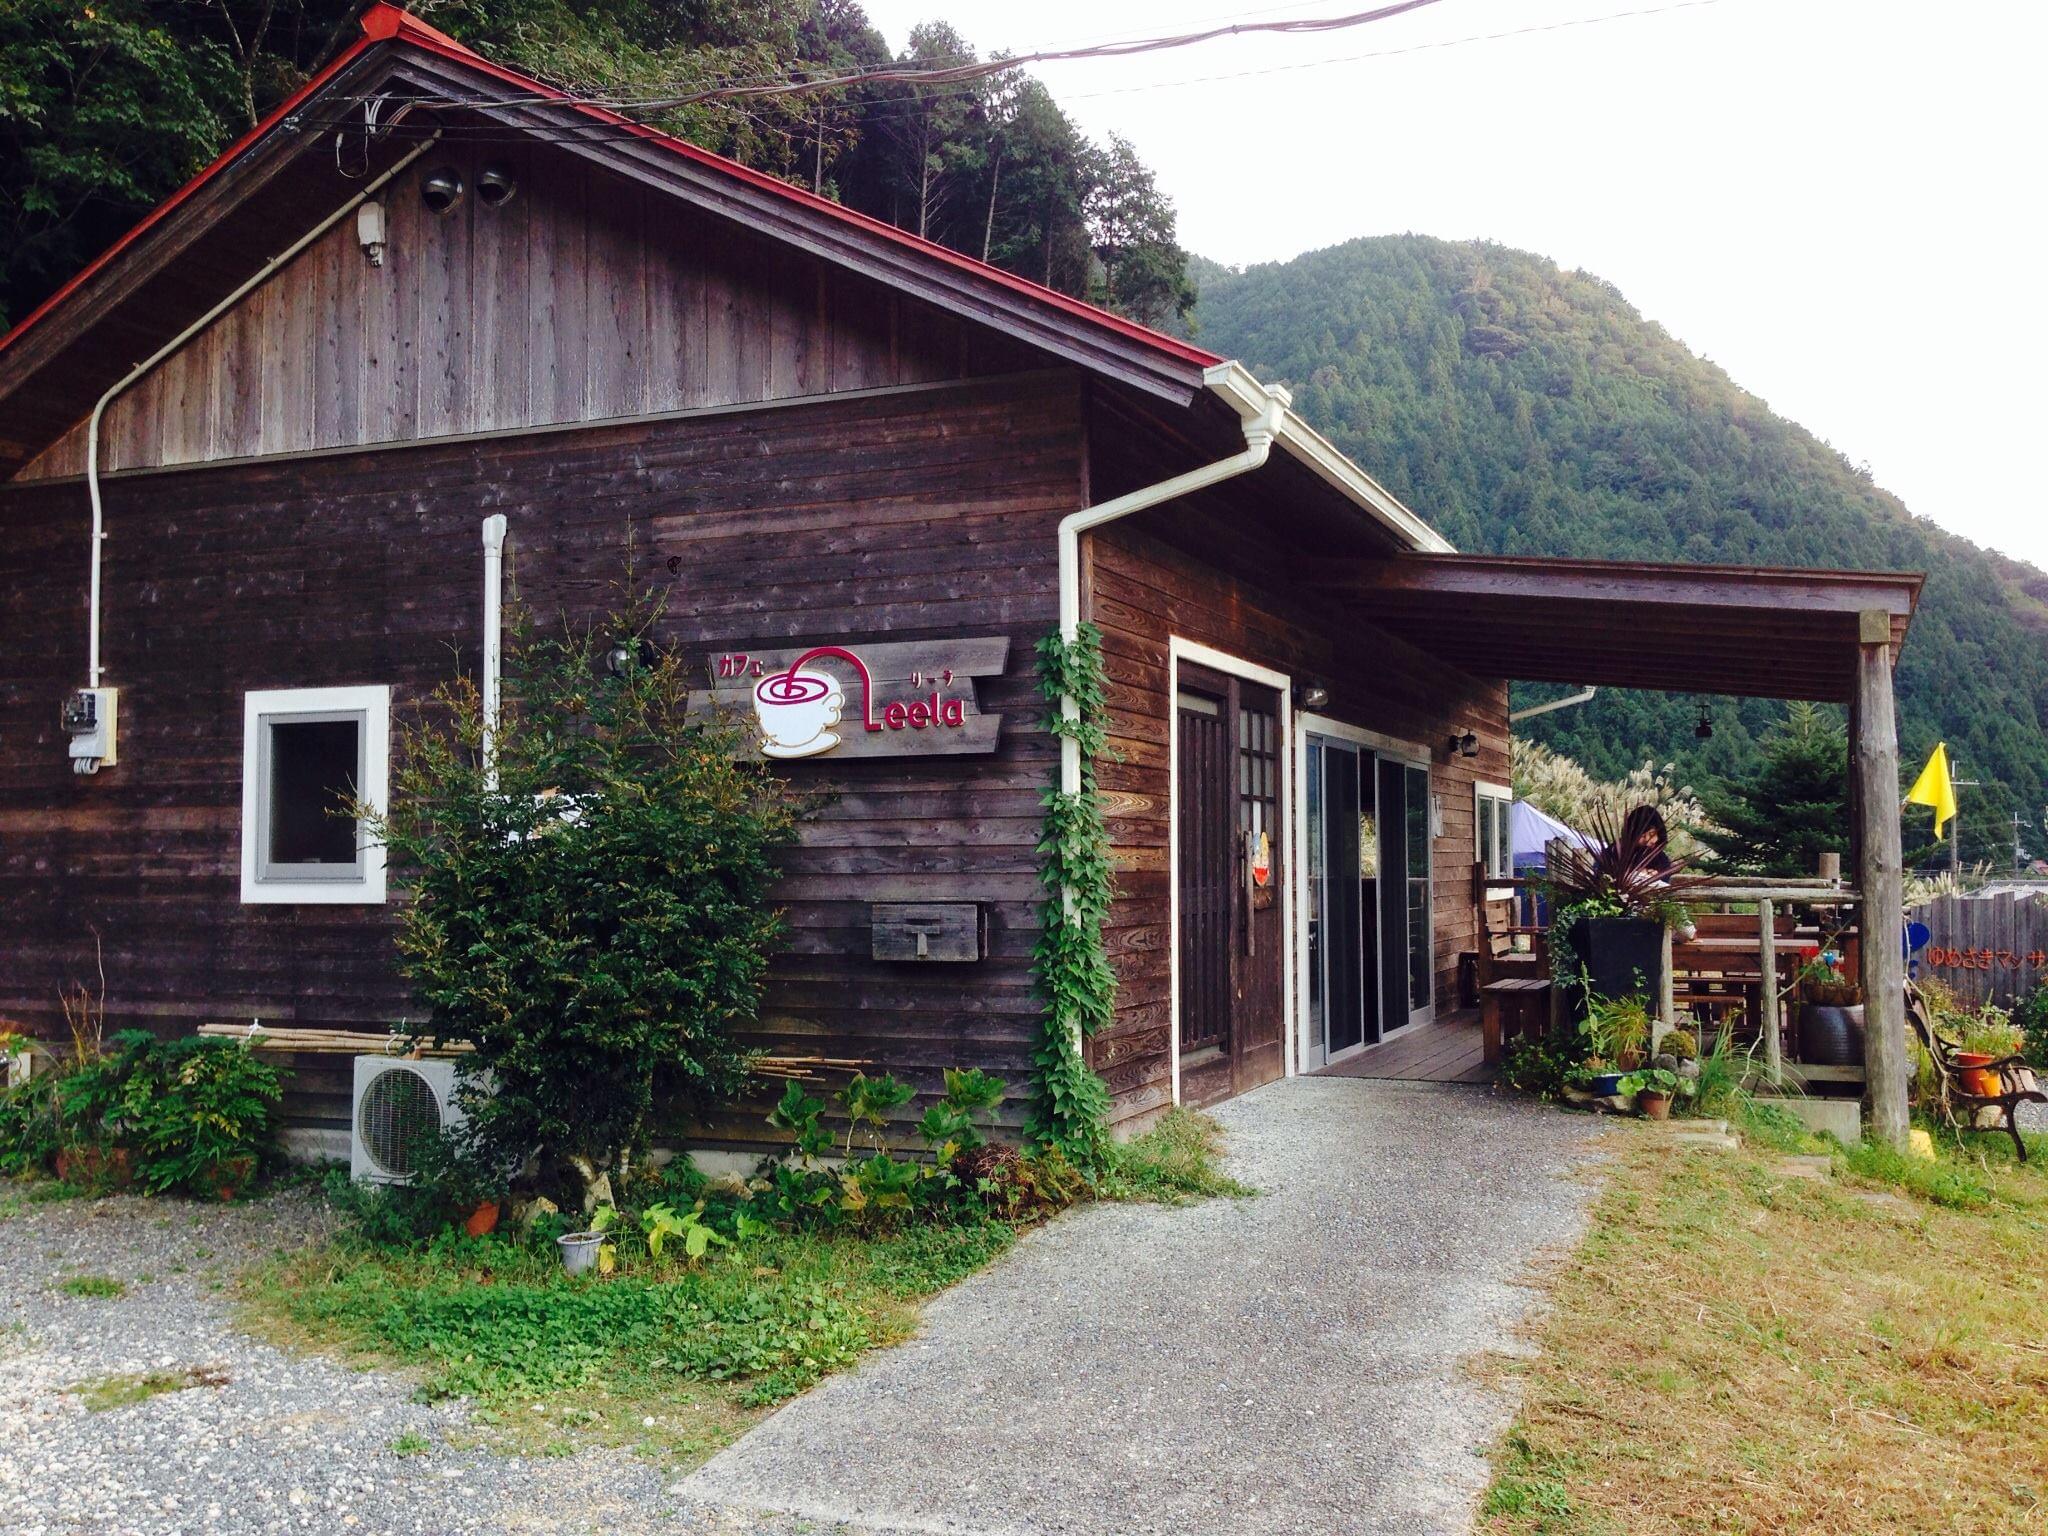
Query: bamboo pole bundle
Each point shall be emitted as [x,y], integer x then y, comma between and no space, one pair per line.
[358,1042]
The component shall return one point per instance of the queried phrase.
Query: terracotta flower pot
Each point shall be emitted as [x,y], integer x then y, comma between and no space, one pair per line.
[483,1220]
[1976,1075]
[232,1177]
[110,1167]
[1654,1105]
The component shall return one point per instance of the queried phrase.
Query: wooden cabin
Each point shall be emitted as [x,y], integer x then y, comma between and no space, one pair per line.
[429,293]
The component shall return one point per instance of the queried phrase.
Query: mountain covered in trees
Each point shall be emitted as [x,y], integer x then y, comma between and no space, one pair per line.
[1521,408]
[1524,409]
[105,109]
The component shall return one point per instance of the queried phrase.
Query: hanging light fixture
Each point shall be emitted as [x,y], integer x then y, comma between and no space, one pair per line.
[1705,729]
[1465,745]
[1312,694]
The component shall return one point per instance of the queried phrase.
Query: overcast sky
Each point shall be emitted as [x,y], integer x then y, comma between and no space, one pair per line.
[1839,201]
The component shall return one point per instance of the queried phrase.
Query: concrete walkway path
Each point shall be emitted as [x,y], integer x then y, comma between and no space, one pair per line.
[1293,1364]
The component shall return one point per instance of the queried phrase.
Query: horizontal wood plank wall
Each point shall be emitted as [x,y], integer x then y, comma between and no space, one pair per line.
[582,298]
[1207,569]
[918,515]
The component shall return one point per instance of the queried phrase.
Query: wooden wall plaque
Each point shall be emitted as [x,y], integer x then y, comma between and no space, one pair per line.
[928,930]
[909,698]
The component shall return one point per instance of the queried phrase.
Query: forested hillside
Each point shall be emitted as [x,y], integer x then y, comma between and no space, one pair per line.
[1525,409]
[107,108]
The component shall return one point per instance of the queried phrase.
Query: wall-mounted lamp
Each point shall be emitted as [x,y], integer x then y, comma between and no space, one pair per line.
[1313,694]
[625,655]
[1705,729]
[1466,745]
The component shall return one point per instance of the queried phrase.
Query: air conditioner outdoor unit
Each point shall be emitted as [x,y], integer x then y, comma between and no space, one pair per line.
[399,1105]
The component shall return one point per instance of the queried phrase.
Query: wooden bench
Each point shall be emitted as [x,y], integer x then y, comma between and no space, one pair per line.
[1961,1103]
[1518,1007]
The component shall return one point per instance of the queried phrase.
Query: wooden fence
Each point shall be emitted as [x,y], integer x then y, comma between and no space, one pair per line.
[1986,948]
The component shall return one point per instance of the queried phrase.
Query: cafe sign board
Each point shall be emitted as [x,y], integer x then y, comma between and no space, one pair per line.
[908,698]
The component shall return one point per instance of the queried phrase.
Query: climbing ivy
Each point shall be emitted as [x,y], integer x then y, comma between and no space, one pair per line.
[1070,1104]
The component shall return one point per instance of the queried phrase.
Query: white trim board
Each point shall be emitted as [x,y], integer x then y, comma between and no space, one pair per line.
[1177,651]
[373,701]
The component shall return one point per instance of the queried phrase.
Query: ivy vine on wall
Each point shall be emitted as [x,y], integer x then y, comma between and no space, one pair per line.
[1070,1104]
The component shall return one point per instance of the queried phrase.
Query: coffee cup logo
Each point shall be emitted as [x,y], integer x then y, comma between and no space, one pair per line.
[797,711]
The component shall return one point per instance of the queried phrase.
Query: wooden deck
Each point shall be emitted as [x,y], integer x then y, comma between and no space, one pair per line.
[1445,1051]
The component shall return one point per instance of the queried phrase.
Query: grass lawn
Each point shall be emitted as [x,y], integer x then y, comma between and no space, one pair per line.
[1738,1349]
[671,1358]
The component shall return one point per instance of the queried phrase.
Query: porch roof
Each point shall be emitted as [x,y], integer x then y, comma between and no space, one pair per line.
[1746,630]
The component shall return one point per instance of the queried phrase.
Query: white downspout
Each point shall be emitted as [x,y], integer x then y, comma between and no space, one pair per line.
[92,430]
[1259,434]
[494,608]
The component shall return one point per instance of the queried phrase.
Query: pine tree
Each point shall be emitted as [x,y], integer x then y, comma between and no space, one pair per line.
[1797,807]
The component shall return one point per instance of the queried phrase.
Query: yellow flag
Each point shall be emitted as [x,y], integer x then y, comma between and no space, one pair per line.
[1935,787]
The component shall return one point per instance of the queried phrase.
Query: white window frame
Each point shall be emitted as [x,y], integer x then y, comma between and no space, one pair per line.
[261,706]
[1503,795]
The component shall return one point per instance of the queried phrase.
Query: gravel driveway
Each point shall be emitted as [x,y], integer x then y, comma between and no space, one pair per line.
[1292,1364]
[1285,1364]
[284,1443]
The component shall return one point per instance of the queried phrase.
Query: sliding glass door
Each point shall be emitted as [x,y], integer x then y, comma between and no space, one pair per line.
[1343,1008]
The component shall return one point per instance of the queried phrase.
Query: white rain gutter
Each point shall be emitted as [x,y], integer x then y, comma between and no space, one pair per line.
[494,608]
[92,430]
[1543,709]
[1268,419]
[1260,432]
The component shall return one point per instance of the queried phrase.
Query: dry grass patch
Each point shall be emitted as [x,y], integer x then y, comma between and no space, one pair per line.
[1735,1349]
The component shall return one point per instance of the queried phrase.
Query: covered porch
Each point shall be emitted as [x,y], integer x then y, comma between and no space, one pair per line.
[1824,636]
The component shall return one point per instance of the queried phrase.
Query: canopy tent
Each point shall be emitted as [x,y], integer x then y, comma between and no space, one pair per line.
[1530,833]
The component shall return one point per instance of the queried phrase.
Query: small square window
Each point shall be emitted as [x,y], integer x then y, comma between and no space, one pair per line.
[308,755]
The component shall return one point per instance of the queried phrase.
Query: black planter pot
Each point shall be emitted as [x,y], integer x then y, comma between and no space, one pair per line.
[1622,957]
[1831,1036]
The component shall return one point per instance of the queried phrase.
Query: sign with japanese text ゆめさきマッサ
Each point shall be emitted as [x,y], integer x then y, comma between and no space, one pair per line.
[904,698]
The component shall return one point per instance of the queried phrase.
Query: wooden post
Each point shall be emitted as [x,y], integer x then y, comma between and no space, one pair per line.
[1879,874]
[1767,953]
[1667,999]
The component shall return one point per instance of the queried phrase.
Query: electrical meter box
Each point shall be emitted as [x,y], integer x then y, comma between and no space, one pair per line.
[89,718]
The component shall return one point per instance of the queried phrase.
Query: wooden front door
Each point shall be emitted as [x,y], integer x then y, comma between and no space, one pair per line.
[1231,941]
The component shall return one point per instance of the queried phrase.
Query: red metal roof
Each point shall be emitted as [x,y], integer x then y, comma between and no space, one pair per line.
[388,23]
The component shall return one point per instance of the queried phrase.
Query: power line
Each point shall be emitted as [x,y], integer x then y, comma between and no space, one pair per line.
[1391,53]
[613,132]
[972,70]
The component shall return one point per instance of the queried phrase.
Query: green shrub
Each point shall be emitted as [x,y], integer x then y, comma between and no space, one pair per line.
[196,1113]
[28,1126]
[2032,1017]
[590,908]
[1540,1064]
[205,1124]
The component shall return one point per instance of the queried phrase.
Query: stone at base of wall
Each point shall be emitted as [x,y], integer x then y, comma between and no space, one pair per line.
[315,1144]
[312,1144]
[1840,1118]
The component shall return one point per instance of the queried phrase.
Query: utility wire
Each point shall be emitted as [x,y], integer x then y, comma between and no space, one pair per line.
[496,133]
[971,70]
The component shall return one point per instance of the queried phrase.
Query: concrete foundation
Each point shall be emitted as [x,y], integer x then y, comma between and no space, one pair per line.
[1839,1118]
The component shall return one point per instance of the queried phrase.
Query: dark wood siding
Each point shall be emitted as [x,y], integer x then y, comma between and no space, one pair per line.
[584,297]
[920,514]
[1213,569]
